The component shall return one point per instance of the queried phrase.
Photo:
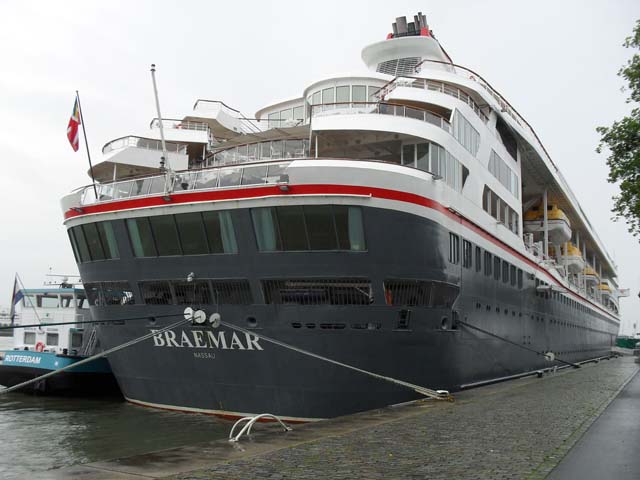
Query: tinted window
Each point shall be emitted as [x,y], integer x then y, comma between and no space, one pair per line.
[105,230]
[76,254]
[266,228]
[166,235]
[141,237]
[466,254]
[496,268]
[320,227]
[487,264]
[192,234]
[292,228]
[220,233]
[349,227]
[478,259]
[81,242]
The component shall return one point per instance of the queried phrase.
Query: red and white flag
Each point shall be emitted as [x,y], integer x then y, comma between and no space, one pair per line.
[73,130]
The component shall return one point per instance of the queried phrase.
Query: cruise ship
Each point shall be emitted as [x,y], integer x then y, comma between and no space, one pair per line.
[406,221]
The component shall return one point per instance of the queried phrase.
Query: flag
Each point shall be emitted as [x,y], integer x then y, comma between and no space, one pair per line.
[15,298]
[73,132]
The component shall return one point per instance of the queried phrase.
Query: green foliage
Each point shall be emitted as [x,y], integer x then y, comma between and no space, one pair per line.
[622,139]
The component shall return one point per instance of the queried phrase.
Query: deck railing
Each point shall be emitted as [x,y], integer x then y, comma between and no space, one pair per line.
[205,179]
[179,124]
[141,142]
[381,109]
[434,86]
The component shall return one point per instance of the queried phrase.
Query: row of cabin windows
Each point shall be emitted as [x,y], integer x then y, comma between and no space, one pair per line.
[287,117]
[500,210]
[562,299]
[294,228]
[50,300]
[294,291]
[308,227]
[465,134]
[501,270]
[195,233]
[93,241]
[434,159]
[507,177]
[51,339]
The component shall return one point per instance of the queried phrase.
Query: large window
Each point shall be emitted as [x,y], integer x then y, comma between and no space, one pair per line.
[500,210]
[93,241]
[184,234]
[308,227]
[434,159]
[274,150]
[318,291]
[504,174]
[103,294]
[464,132]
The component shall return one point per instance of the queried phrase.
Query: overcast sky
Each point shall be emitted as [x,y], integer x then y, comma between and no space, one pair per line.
[555,61]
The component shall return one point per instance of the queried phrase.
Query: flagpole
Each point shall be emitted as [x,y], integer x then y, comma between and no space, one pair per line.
[84,132]
[164,160]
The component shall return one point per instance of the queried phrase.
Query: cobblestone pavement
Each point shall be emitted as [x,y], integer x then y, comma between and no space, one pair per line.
[518,429]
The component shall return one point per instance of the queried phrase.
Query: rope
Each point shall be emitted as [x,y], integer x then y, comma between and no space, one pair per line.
[94,357]
[421,390]
[575,365]
[55,324]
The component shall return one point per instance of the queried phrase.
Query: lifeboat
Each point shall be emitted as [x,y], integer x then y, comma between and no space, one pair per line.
[559,226]
[590,275]
[605,289]
[572,257]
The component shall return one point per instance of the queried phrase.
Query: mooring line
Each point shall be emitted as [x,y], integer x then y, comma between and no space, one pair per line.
[486,332]
[95,357]
[443,395]
[55,324]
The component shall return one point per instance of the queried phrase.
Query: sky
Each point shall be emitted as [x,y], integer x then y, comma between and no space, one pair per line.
[556,62]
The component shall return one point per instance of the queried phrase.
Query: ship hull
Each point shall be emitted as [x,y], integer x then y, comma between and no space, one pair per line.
[232,373]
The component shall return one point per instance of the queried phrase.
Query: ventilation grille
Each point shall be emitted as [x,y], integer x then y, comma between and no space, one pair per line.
[399,66]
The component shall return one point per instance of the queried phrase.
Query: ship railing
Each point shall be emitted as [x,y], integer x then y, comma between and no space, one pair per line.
[177,124]
[245,175]
[142,142]
[247,124]
[434,86]
[374,108]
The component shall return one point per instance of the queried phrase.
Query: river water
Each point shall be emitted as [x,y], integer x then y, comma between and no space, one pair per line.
[40,433]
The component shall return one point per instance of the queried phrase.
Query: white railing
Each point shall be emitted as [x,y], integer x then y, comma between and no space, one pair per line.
[205,179]
[179,124]
[434,86]
[381,109]
[141,142]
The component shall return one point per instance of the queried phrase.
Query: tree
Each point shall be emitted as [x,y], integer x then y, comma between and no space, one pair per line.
[622,139]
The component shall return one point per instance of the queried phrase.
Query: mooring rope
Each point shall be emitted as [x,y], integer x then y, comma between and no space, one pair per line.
[417,388]
[486,332]
[95,357]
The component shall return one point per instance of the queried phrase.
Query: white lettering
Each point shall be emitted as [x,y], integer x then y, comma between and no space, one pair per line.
[185,339]
[198,339]
[22,359]
[204,355]
[158,341]
[219,342]
[236,341]
[171,338]
[252,341]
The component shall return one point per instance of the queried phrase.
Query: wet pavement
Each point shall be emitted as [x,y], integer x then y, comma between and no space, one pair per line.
[517,429]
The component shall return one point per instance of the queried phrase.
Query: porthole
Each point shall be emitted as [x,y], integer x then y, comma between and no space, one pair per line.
[252,322]
[444,323]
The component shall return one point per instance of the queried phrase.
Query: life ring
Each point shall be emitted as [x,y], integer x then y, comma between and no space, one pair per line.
[39,347]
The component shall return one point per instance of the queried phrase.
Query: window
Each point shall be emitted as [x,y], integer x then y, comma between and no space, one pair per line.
[496,268]
[454,248]
[141,237]
[156,293]
[231,292]
[220,233]
[29,338]
[103,294]
[513,276]
[342,94]
[51,339]
[328,96]
[81,243]
[93,241]
[487,264]
[359,93]
[48,301]
[478,259]
[500,210]
[165,235]
[195,292]
[467,253]
[192,234]
[108,239]
[312,227]
[507,177]
[76,340]
[464,132]
[318,291]
[505,272]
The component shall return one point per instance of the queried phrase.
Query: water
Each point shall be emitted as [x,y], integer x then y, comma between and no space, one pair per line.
[43,433]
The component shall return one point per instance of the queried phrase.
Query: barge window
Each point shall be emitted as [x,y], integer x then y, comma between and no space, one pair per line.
[29,338]
[141,237]
[220,232]
[487,264]
[478,259]
[166,235]
[51,339]
[467,253]
[76,340]
[48,301]
[309,227]
[192,234]
[454,248]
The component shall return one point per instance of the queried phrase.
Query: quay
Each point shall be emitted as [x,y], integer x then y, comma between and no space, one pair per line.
[517,429]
